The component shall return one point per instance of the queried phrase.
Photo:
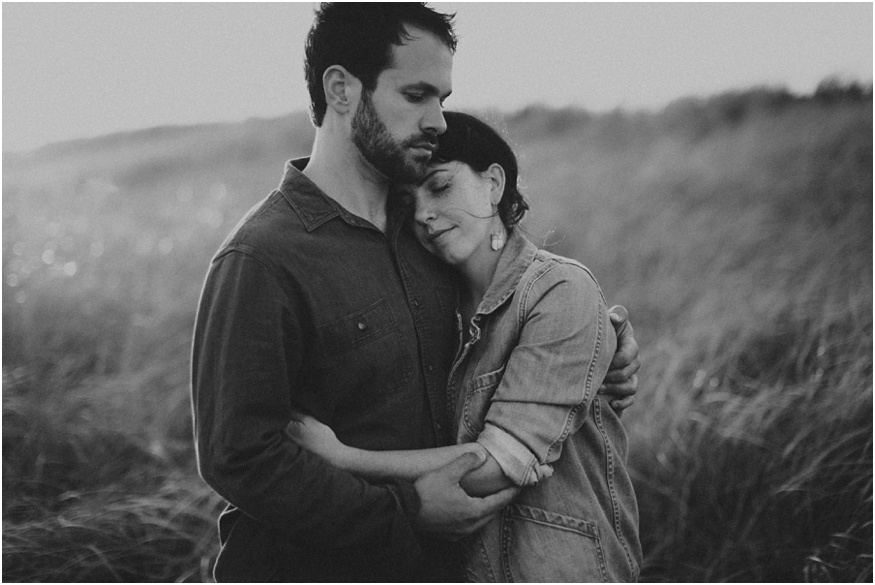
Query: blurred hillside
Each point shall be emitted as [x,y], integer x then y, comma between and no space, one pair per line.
[736,229]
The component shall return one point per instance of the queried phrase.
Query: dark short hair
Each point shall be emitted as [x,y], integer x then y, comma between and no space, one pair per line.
[359,37]
[475,143]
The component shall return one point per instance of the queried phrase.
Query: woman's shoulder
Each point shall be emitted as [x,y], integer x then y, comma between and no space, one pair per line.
[563,295]
[548,270]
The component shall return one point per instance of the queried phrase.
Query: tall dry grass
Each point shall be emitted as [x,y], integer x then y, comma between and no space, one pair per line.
[737,230]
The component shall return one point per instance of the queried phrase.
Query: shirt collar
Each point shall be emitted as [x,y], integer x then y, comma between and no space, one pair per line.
[311,204]
[516,256]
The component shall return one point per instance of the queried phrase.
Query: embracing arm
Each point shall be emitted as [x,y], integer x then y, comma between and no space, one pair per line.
[485,480]
[410,465]
[460,487]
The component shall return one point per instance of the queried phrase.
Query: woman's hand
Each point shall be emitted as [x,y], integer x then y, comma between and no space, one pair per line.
[317,438]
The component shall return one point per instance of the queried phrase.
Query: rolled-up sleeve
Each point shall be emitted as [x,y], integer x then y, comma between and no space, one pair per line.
[245,363]
[565,348]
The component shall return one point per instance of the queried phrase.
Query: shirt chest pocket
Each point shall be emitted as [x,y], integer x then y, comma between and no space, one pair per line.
[356,329]
[476,401]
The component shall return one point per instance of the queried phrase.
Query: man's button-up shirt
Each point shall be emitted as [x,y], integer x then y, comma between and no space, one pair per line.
[309,307]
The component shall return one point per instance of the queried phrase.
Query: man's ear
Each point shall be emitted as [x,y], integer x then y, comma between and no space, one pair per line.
[495,175]
[342,89]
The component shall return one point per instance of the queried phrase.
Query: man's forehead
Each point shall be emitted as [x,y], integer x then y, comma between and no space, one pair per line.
[422,58]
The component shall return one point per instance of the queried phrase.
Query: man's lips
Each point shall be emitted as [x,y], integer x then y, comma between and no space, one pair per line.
[430,147]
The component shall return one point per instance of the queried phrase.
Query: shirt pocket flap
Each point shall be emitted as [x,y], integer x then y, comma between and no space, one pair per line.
[356,328]
[488,379]
[478,397]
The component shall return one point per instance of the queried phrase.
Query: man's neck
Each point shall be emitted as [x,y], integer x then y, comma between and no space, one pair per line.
[337,168]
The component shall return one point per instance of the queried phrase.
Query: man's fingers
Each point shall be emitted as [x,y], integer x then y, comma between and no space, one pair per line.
[622,404]
[627,350]
[624,374]
[457,468]
[618,314]
[293,428]
[626,387]
[495,502]
[619,391]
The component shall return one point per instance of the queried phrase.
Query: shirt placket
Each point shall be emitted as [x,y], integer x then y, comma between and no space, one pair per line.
[434,388]
[454,399]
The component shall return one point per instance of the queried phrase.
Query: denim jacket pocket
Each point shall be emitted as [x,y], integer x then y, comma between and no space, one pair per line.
[356,328]
[478,397]
[542,546]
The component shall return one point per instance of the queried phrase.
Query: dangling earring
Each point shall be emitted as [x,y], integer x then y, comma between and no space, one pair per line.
[496,240]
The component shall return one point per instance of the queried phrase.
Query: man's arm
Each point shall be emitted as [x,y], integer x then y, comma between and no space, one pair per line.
[246,354]
[621,381]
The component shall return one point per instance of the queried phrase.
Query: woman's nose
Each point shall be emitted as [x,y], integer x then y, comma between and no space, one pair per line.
[423,213]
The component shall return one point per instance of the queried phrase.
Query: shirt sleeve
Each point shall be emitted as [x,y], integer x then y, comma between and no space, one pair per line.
[245,361]
[565,348]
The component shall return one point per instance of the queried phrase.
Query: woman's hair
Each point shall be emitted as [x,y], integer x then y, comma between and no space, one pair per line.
[475,143]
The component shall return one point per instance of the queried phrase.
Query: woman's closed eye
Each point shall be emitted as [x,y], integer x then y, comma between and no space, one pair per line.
[437,190]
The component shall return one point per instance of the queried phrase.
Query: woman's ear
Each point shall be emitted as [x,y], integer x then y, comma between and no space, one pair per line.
[342,89]
[495,175]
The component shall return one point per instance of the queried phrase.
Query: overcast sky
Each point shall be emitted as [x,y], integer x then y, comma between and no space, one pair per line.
[76,70]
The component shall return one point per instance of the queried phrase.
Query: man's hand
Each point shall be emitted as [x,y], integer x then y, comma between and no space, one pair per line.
[621,381]
[447,510]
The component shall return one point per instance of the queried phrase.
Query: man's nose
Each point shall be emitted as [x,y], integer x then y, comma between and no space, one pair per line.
[434,121]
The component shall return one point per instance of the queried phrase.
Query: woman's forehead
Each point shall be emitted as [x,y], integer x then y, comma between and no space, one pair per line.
[452,166]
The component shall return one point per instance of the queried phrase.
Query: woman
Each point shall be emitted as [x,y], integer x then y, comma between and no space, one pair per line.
[535,345]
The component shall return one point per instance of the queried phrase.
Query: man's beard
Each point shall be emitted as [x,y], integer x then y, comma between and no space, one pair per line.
[383,152]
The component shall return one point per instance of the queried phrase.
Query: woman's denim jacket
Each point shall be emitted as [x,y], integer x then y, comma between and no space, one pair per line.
[525,386]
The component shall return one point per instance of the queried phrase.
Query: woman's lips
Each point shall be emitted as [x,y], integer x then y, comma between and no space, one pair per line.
[432,236]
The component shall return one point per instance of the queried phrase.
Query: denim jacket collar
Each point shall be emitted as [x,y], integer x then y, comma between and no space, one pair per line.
[313,206]
[516,256]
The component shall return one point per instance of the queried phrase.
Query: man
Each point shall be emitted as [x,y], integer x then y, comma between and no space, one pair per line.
[319,301]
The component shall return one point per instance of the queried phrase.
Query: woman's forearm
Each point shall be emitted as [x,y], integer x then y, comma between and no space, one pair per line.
[407,465]
[486,480]
[410,465]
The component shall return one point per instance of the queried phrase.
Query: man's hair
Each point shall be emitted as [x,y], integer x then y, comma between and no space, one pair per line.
[475,143]
[359,37]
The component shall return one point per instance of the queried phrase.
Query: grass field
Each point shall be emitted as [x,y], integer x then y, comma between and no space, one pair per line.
[737,230]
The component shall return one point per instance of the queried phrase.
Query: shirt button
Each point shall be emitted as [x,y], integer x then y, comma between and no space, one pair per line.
[362,325]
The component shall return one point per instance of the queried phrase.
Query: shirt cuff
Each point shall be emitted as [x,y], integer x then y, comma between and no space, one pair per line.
[514,458]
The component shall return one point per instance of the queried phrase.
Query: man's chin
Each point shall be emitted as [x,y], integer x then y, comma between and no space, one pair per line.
[418,166]
[411,173]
